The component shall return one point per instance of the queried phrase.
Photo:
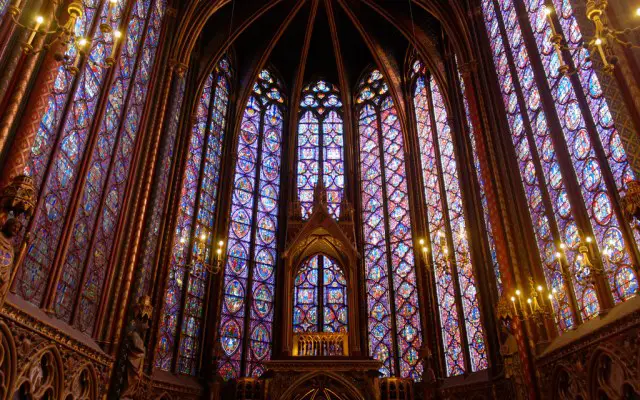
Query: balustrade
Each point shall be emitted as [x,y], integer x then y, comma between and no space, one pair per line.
[320,344]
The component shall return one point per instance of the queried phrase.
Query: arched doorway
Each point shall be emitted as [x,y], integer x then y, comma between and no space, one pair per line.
[322,387]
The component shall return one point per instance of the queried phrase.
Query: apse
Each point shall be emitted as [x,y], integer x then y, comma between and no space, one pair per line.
[319,199]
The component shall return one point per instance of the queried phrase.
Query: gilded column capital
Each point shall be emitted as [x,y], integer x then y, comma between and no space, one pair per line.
[179,68]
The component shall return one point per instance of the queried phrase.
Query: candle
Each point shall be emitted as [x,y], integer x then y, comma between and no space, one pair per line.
[112,57]
[111,6]
[81,43]
[39,21]
[513,303]
[530,305]
[547,13]
[598,42]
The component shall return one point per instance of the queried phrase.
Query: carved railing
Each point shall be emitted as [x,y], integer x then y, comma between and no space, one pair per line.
[320,344]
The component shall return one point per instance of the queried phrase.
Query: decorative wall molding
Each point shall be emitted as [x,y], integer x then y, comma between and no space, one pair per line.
[603,359]
[38,359]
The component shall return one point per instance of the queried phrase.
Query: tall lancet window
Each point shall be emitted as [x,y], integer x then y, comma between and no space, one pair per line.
[392,294]
[320,146]
[320,297]
[183,312]
[570,156]
[249,275]
[82,158]
[449,243]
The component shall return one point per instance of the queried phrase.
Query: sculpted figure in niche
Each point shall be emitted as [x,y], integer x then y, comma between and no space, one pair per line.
[512,364]
[136,351]
[7,254]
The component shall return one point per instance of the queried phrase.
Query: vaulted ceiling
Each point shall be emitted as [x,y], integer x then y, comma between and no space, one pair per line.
[332,39]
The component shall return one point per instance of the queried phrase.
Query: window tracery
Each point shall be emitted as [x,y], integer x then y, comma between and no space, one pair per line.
[183,311]
[249,274]
[81,159]
[577,125]
[450,251]
[320,297]
[390,277]
[320,146]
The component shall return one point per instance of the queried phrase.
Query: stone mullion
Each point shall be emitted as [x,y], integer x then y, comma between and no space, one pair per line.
[82,178]
[537,273]
[251,262]
[450,258]
[139,189]
[188,267]
[24,139]
[473,211]
[214,296]
[129,233]
[567,171]
[83,167]
[387,244]
[513,216]
[189,106]
[602,158]
[424,268]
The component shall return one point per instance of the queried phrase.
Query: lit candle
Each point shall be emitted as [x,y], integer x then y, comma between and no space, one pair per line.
[553,310]
[221,243]
[599,42]
[547,12]
[539,288]
[530,305]
[513,302]
[39,21]
[112,6]
[114,47]
[638,12]
[81,43]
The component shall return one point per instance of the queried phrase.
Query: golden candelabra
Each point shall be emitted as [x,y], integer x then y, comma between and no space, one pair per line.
[600,42]
[65,33]
[534,307]
[425,250]
[201,254]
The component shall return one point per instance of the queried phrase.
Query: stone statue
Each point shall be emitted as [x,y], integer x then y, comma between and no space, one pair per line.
[136,350]
[512,364]
[9,230]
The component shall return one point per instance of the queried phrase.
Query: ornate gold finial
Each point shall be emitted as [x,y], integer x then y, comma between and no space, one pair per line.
[143,309]
[319,194]
[346,210]
[504,309]
[19,196]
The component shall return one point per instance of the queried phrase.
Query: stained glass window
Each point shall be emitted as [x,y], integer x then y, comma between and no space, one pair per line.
[456,290]
[392,297]
[474,139]
[187,279]
[91,163]
[249,274]
[320,146]
[163,168]
[579,122]
[320,306]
